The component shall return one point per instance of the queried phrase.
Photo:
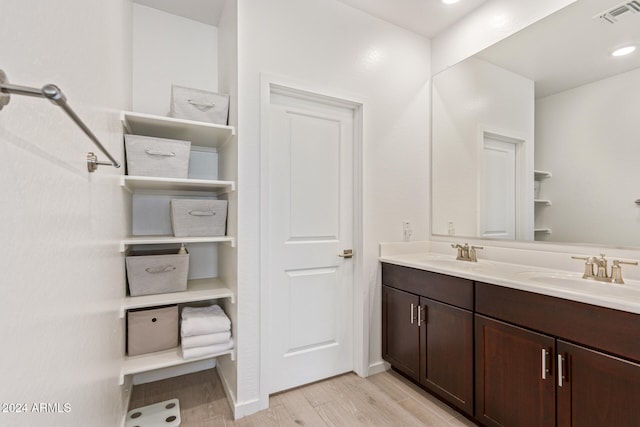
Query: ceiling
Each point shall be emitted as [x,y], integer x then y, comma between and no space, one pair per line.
[569,48]
[205,11]
[425,17]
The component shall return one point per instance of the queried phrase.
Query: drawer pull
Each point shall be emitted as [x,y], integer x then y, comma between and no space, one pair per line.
[544,364]
[419,317]
[560,370]
[412,308]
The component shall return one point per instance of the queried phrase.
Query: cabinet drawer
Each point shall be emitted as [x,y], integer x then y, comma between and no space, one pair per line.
[602,328]
[440,287]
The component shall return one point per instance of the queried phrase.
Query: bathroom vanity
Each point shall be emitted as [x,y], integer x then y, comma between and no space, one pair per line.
[506,347]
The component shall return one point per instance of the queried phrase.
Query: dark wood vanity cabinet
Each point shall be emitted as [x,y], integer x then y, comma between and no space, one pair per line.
[400,332]
[596,389]
[509,357]
[514,377]
[585,383]
[427,331]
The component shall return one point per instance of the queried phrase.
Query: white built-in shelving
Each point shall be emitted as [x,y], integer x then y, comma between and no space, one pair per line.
[538,176]
[138,183]
[161,359]
[163,240]
[199,133]
[205,289]
[197,290]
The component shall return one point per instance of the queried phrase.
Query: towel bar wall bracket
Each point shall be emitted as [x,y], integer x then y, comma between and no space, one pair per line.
[55,95]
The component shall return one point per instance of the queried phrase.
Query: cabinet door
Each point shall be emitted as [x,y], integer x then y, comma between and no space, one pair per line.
[400,332]
[512,386]
[597,389]
[446,352]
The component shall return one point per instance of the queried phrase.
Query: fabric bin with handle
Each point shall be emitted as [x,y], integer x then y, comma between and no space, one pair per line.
[198,217]
[160,157]
[150,330]
[199,105]
[157,271]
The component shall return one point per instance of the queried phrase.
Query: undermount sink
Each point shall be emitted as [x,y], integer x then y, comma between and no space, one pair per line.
[553,278]
[450,263]
[574,281]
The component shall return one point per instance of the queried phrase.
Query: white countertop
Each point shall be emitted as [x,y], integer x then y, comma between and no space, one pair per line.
[562,284]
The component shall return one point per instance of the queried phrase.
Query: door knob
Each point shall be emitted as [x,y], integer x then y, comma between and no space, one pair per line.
[347,253]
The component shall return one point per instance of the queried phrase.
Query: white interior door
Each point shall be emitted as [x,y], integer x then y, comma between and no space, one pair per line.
[311,223]
[498,194]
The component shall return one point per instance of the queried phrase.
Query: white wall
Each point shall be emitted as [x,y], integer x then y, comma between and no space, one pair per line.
[467,97]
[328,45]
[599,160]
[169,49]
[490,23]
[62,274]
[228,256]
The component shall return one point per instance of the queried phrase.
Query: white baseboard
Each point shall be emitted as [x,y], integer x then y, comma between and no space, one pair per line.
[377,367]
[240,409]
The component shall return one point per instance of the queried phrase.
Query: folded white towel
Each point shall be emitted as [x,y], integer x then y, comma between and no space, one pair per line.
[207,339]
[192,353]
[204,320]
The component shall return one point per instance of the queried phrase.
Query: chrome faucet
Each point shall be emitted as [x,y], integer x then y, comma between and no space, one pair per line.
[600,272]
[466,252]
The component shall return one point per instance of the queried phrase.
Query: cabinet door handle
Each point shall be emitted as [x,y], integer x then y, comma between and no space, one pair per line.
[544,364]
[412,308]
[419,318]
[560,370]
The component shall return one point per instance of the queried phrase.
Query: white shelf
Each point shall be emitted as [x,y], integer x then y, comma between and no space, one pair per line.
[161,359]
[135,183]
[542,230]
[197,290]
[541,174]
[159,240]
[199,133]
[542,202]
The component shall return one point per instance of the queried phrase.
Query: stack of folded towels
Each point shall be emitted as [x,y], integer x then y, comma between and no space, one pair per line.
[205,331]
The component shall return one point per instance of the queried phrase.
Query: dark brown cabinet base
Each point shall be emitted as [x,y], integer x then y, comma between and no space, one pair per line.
[597,389]
[514,381]
[428,340]
[512,358]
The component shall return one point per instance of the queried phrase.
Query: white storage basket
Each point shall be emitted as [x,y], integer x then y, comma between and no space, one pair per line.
[150,330]
[157,272]
[148,156]
[199,105]
[198,217]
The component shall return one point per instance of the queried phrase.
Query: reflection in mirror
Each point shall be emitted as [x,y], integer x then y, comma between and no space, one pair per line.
[537,137]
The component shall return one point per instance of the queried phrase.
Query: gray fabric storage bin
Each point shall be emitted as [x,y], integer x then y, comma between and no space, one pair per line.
[199,105]
[198,217]
[150,330]
[160,157]
[157,272]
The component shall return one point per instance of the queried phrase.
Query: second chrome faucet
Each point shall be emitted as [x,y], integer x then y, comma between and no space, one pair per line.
[595,268]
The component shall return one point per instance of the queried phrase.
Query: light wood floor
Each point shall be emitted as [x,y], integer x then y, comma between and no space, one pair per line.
[384,399]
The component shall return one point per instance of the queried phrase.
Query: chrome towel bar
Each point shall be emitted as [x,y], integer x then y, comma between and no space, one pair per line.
[55,95]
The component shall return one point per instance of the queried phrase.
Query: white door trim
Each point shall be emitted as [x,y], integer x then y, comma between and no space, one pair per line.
[360,294]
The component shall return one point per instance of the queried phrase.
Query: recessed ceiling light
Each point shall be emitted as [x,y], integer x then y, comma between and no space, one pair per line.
[450,1]
[623,51]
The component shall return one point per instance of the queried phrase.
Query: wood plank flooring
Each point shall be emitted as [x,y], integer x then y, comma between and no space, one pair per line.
[384,399]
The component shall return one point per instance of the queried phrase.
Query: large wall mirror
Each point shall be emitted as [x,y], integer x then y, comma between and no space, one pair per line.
[537,138]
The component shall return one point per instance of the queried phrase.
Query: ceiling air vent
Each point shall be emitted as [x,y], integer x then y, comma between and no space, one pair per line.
[622,10]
